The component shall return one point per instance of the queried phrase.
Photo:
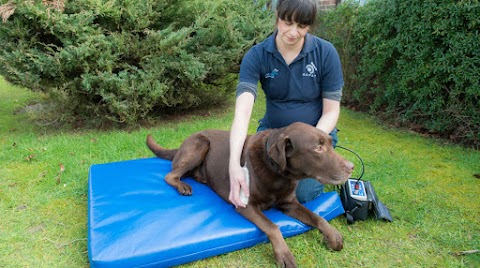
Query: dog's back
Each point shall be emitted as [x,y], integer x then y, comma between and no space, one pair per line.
[203,155]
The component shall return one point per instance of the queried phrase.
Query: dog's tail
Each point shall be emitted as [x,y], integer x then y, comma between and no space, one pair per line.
[159,150]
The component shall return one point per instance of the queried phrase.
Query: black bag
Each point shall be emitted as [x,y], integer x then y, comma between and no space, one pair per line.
[360,200]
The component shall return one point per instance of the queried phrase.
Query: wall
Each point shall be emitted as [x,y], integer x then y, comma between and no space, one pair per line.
[327,4]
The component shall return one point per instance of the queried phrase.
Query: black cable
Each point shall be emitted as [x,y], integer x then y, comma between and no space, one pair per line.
[361,161]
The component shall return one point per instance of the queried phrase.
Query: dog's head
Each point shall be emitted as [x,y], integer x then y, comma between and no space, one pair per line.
[307,152]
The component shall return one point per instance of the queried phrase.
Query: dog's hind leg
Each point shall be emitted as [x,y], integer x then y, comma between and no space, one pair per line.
[190,156]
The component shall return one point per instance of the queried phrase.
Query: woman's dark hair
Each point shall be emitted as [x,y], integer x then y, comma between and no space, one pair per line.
[299,11]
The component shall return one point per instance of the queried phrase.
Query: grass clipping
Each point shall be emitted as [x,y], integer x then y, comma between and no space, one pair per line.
[8,9]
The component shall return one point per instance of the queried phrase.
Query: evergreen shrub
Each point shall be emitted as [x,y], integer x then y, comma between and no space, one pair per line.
[126,60]
[416,62]
[337,26]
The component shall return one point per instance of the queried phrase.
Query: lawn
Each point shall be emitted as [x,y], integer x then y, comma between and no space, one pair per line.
[431,187]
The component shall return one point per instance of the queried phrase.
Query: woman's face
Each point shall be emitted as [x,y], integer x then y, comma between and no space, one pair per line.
[290,33]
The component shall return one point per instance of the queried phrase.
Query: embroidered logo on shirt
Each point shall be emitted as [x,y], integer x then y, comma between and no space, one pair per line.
[311,69]
[272,74]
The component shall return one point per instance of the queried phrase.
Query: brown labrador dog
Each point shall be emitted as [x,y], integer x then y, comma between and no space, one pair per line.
[276,159]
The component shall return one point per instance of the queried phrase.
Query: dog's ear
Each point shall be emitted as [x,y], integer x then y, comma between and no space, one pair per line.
[280,150]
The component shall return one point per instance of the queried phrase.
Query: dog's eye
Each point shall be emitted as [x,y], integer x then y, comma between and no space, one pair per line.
[319,149]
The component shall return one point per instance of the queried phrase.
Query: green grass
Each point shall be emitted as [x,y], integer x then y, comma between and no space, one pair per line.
[431,187]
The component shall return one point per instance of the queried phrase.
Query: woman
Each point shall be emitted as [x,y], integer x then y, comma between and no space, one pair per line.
[301,76]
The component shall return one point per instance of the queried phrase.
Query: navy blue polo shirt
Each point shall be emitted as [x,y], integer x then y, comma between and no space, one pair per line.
[293,92]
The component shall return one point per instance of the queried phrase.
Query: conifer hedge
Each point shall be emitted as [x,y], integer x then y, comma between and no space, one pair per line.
[416,63]
[125,60]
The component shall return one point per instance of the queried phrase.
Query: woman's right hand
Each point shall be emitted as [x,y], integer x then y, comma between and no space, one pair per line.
[237,182]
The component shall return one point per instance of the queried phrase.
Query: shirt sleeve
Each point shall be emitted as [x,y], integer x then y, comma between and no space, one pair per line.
[332,76]
[249,73]
[333,95]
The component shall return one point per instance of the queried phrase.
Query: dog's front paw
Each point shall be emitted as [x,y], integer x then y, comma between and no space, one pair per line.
[285,259]
[333,239]
[184,189]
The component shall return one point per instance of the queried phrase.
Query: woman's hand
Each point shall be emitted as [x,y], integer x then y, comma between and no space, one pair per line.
[237,182]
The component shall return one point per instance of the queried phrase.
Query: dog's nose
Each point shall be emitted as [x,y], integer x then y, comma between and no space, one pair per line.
[350,166]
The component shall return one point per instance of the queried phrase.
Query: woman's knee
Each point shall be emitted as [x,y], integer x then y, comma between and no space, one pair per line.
[334,136]
[308,189]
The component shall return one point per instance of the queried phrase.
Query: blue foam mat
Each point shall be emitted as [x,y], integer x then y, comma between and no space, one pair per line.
[136,220]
